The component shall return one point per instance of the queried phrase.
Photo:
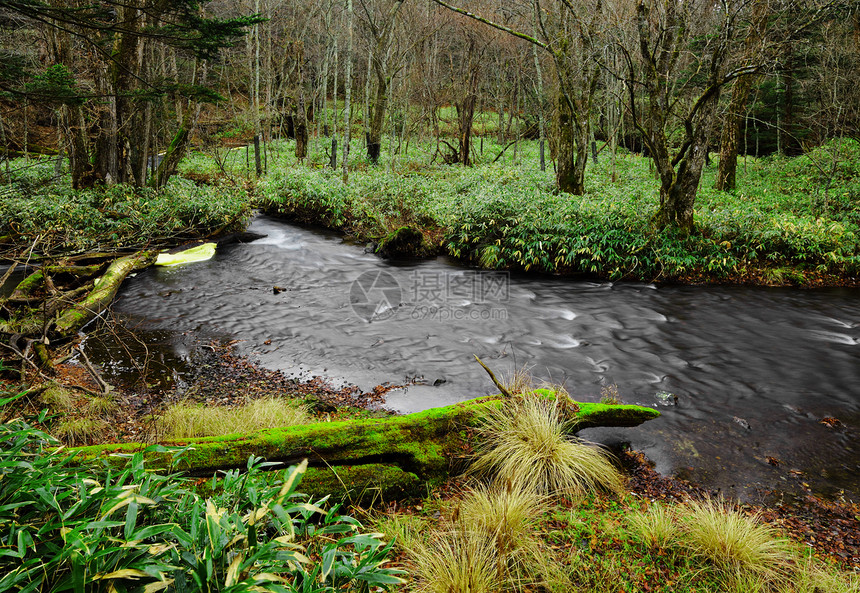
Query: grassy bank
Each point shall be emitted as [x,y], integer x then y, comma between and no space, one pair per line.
[36,204]
[780,226]
[791,220]
[564,519]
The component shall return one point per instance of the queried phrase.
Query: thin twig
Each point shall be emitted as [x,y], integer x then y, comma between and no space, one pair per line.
[21,356]
[8,273]
[501,387]
[105,387]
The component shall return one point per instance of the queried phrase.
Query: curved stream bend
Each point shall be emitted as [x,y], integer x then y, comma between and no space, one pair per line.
[753,369]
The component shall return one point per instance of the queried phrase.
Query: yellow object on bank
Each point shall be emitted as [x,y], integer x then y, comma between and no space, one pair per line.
[189,256]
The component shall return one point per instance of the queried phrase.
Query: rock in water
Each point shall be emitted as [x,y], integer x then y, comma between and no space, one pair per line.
[742,422]
[404,242]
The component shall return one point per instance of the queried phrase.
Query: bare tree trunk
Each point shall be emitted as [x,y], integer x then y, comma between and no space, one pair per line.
[539,77]
[465,116]
[678,189]
[573,127]
[72,122]
[730,138]
[301,117]
[347,115]
[379,65]
[179,144]
[377,119]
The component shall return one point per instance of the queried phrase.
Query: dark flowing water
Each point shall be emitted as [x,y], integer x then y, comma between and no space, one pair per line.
[753,369]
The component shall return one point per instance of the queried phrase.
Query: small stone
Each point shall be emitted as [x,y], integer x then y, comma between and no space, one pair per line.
[742,422]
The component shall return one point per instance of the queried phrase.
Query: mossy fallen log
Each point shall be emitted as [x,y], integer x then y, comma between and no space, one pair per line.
[73,270]
[78,315]
[27,288]
[392,457]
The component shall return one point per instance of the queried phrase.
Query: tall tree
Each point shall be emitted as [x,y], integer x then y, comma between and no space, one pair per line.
[571,33]
[678,55]
[380,22]
[119,37]
[733,118]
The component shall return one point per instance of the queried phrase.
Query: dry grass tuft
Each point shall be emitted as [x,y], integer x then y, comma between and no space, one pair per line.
[526,444]
[185,421]
[506,514]
[816,577]
[458,561]
[57,399]
[102,404]
[80,431]
[655,527]
[609,395]
[405,530]
[519,381]
[735,542]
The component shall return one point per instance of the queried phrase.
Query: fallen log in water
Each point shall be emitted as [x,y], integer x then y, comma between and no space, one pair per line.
[78,315]
[392,457]
[58,300]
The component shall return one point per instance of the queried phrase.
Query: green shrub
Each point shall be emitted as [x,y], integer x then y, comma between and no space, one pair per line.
[120,215]
[509,216]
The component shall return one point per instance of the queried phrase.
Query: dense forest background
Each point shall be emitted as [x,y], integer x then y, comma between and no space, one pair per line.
[111,84]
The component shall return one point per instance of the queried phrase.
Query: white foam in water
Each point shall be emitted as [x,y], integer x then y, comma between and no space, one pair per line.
[601,366]
[564,342]
[840,323]
[281,240]
[835,337]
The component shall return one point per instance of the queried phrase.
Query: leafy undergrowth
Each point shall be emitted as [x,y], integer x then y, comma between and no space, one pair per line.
[788,222]
[134,530]
[37,210]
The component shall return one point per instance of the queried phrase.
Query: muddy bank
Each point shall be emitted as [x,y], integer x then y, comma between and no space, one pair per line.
[212,375]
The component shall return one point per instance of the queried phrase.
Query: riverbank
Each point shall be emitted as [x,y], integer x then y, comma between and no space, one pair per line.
[781,226]
[41,216]
[77,411]
[790,222]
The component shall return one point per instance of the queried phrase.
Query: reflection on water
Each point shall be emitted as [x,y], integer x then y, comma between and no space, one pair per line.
[778,359]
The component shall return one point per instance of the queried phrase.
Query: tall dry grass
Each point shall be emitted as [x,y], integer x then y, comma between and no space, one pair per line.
[182,421]
[526,443]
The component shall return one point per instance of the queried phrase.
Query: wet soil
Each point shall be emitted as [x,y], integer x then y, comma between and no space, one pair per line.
[217,377]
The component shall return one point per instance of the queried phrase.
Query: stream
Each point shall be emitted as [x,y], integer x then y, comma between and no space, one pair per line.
[740,374]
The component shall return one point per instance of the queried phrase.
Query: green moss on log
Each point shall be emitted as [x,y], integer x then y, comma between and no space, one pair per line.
[404,242]
[392,456]
[28,287]
[75,317]
[78,271]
